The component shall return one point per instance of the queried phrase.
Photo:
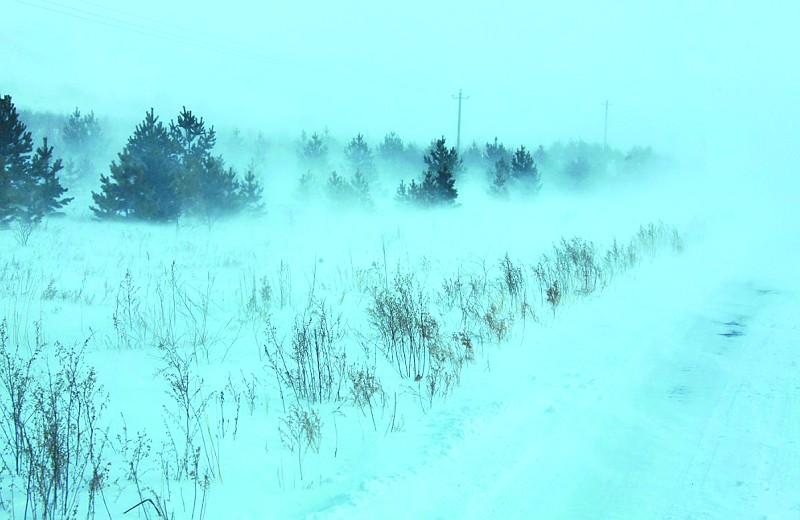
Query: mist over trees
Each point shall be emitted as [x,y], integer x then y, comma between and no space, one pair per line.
[171,170]
[396,154]
[348,193]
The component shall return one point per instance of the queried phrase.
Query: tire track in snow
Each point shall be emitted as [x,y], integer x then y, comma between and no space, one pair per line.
[611,445]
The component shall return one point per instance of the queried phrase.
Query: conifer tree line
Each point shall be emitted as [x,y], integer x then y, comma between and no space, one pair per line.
[168,170]
[162,173]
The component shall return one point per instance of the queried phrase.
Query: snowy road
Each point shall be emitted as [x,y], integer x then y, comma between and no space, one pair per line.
[667,399]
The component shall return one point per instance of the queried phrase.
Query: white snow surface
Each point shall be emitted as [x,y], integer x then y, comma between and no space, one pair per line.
[674,393]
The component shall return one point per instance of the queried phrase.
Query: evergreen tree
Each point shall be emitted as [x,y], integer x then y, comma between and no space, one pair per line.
[29,186]
[413,155]
[440,176]
[16,145]
[578,171]
[359,156]
[638,160]
[313,150]
[349,193]
[391,149]
[82,131]
[438,184]
[44,191]
[502,173]
[523,170]
[163,173]
[306,185]
[143,181]
[540,156]
[217,194]
[260,150]
[472,156]
[361,189]
[338,188]
[83,140]
[205,186]
[250,192]
[496,151]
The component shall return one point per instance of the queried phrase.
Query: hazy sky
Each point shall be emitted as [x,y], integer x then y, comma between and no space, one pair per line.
[688,73]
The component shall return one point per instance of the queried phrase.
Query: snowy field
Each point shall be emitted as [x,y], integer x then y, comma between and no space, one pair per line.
[399,260]
[669,389]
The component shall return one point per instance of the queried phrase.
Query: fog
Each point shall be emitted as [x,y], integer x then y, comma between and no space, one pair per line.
[679,75]
[579,329]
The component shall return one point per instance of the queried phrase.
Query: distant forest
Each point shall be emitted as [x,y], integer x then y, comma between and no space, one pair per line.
[168,169]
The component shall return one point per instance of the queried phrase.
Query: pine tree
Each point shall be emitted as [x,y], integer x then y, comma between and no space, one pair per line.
[523,170]
[29,186]
[305,186]
[438,183]
[163,173]
[638,160]
[143,181]
[472,156]
[205,186]
[496,151]
[338,188]
[440,176]
[250,192]
[82,131]
[83,140]
[45,193]
[353,193]
[578,172]
[16,145]
[502,173]
[361,189]
[540,156]
[359,156]
[313,151]
[217,192]
[391,149]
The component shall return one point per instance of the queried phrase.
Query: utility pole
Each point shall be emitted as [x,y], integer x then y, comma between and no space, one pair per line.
[459,97]
[605,129]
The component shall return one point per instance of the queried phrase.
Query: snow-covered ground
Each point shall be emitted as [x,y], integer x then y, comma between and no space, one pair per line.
[671,393]
[669,397]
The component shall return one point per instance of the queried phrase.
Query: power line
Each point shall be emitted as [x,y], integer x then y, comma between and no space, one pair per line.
[459,97]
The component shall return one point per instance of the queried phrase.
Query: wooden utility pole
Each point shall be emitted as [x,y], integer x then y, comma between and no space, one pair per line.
[459,97]
[605,129]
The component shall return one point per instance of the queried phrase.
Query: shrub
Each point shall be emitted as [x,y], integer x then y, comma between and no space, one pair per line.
[314,368]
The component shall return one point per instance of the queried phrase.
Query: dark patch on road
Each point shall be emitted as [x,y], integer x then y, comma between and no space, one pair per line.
[679,393]
[732,333]
[734,328]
